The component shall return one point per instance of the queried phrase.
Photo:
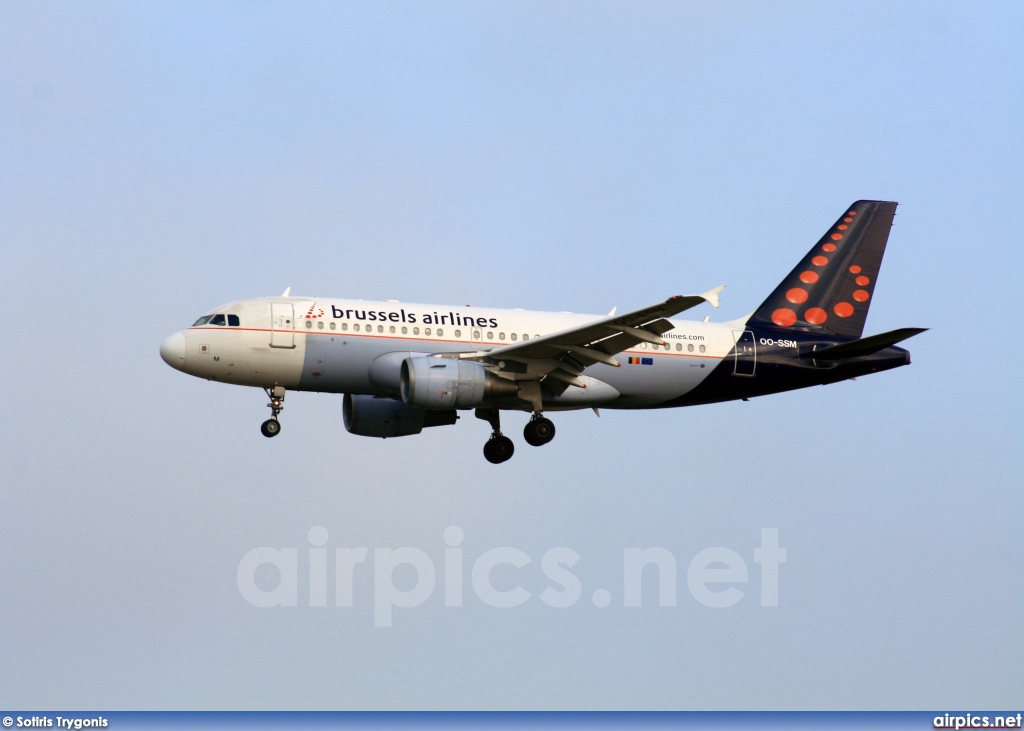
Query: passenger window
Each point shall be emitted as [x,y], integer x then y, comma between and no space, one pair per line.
[690,347]
[380,328]
[391,329]
[217,320]
[320,325]
[501,336]
[476,334]
[536,336]
[679,346]
[440,332]
[525,336]
[309,324]
[233,320]
[333,325]
[513,337]
[405,330]
[344,326]
[202,320]
[415,331]
[490,336]
[355,328]
[426,331]
[702,348]
[458,333]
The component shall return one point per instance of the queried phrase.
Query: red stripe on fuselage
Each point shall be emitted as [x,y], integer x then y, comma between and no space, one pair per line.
[381,336]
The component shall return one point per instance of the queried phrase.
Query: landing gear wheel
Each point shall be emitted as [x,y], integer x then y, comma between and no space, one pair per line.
[539,432]
[499,449]
[270,428]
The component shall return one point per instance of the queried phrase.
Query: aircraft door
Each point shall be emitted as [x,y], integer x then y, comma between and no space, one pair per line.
[745,363]
[282,325]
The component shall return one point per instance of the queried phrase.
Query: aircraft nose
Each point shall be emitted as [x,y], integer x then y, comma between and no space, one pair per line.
[172,350]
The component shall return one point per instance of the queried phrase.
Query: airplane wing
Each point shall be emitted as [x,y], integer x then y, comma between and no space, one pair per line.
[564,355]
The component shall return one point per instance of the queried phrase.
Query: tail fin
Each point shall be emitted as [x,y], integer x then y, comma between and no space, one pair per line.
[831,288]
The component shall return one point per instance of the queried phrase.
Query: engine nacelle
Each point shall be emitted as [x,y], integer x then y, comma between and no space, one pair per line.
[386,370]
[375,416]
[447,383]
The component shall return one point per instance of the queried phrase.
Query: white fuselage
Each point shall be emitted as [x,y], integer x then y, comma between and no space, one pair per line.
[329,345]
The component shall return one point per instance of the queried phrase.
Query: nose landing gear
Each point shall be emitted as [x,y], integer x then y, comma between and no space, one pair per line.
[272,427]
[539,430]
[498,448]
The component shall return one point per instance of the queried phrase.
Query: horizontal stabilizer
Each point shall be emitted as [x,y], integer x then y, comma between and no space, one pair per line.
[863,346]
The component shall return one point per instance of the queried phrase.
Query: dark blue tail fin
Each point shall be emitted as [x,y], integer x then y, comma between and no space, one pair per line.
[831,288]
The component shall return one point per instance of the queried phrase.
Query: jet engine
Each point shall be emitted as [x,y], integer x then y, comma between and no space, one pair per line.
[447,383]
[376,416]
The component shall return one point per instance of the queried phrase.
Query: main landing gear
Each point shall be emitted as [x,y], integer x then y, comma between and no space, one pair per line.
[272,427]
[539,430]
[499,448]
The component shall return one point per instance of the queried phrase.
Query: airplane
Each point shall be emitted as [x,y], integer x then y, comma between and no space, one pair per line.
[405,367]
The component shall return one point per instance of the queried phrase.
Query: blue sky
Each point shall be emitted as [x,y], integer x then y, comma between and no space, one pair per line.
[161,158]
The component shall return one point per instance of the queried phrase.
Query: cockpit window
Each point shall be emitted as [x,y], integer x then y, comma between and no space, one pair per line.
[217,320]
[202,320]
[233,320]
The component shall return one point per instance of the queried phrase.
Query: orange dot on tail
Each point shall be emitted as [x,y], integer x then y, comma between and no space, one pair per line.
[842,226]
[815,315]
[836,237]
[819,261]
[808,277]
[862,281]
[797,296]
[852,213]
[861,295]
[843,309]
[855,269]
[847,219]
[829,247]
[783,317]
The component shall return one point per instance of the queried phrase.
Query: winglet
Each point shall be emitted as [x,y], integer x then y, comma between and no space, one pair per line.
[712,295]
[288,291]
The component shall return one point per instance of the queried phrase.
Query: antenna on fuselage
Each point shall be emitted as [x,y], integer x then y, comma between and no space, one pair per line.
[287,292]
